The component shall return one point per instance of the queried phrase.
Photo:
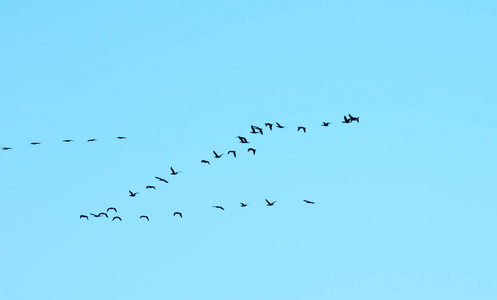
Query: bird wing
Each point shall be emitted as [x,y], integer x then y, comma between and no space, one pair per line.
[268,202]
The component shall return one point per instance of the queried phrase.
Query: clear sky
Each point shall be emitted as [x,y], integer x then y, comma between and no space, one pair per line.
[405,199]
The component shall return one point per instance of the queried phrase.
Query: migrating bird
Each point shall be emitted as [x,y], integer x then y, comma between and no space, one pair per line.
[346,120]
[242,204]
[354,119]
[270,203]
[232,151]
[325,124]
[121,137]
[254,128]
[112,208]
[269,125]
[67,141]
[217,156]
[173,172]
[36,143]
[162,179]
[251,149]
[103,214]
[178,213]
[279,126]
[94,215]
[301,127]
[217,206]
[146,217]
[131,194]
[203,161]
[91,140]
[6,148]
[117,218]
[83,216]
[242,139]
[150,187]
[310,202]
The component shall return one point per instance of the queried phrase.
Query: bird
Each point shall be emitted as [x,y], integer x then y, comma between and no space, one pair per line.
[279,126]
[91,140]
[217,206]
[260,129]
[94,215]
[178,213]
[217,156]
[269,125]
[150,187]
[121,137]
[83,216]
[205,161]
[325,124]
[162,179]
[103,214]
[6,148]
[251,149]
[117,218]
[67,141]
[145,217]
[243,204]
[131,194]
[112,208]
[36,143]
[242,139]
[310,202]
[270,203]
[254,128]
[301,127]
[173,172]
[232,151]
[354,119]
[346,120]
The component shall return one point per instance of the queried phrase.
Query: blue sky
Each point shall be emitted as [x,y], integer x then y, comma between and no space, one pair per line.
[404,199]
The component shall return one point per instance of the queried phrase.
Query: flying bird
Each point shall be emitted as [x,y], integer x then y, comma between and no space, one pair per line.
[251,149]
[269,125]
[83,216]
[117,218]
[217,156]
[91,140]
[354,118]
[232,151]
[112,208]
[36,143]
[174,172]
[121,137]
[6,148]
[346,120]
[325,124]
[242,204]
[145,217]
[94,215]
[103,214]
[205,161]
[131,194]
[254,128]
[162,179]
[301,127]
[310,202]
[178,213]
[279,126]
[242,139]
[217,206]
[150,187]
[270,203]
[67,141]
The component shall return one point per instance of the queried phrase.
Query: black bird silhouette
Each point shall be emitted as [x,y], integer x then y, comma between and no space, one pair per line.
[301,127]
[354,119]
[117,218]
[178,213]
[251,149]
[205,161]
[121,137]
[91,140]
[131,194]
[310,202]
[279,126]
[242,139]
[270,126]
[95,215]
[162,179]
[325,124]
[254,128]
[67,141]
[217,156]
[270,203]
[36,143]
[173,172]
[112,208]
[83,216]
[146,217]
[232,151]
[242,204]
[217,206]
[6,148]
[346,120]
[103,214]
[150,187]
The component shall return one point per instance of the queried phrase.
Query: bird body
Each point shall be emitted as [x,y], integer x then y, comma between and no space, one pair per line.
[269,125]
[112,208]
[279,125]
[162,179]
[117,218]
[144,217]
[310,202]
[251,149]
[216,155]
[243,204]
[301,127]
[270,203]
[150,187]
[67,141]
[205,161]
[217,206]
[121,137]
[36,143]
[242,139]
[178,213]
[83,216]
[232,151]
[6,148]
[325,124]
[131,194]
[354,118]
[91,140]
[173,172]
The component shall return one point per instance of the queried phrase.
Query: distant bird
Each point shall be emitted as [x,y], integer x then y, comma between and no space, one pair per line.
[173,172]
[232,151]
[121,137]
[91,140]
[36,143]
[301,127]
[310,202]
[270,203]
[254,128]
[346,120]
[251,149]
[83,216]
[162,179]
[94,215]
[117,218]
[354,118]
[270,126]
[112,208]
[242,204]
[217,156]
[103,214]
[67,141]
[178,213]
[145,217]
[150,187]
[205,161]
[242,139]
[6,148]
[325,124]
[279,126]
[220,207]
[131,194]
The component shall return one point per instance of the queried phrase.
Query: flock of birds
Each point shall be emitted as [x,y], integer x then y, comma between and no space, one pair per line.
[243,140]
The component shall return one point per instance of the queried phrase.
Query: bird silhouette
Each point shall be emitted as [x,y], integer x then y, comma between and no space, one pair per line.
[103,214]
[242,139]
[67,141]
[346,120]
[354,118]
[121,137]
[36,143]
[279,126]
[232,151]
[254,128]
[243,204]
[112,208]
[205,161]
[162,179]
[269,125]
[251,149]
[216,155]
[150,187]
[94,215]
[83,216]
[270,203]
[131,194]
[145,217]
[301,127]
[117,218]
[217,206]
[310,202]
[178,213]
[173,172]
[91,140]
[325,124]
[6,148]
